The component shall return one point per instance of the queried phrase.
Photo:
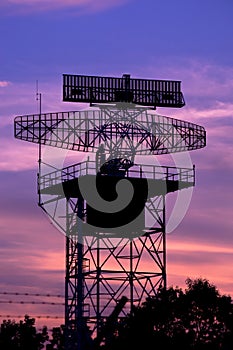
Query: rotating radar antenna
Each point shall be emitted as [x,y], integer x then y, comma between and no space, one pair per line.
[110,206]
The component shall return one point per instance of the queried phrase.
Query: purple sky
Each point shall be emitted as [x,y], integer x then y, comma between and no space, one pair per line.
[189,41]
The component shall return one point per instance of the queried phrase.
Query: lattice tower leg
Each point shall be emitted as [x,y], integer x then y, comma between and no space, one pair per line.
[75,326]
[101,270]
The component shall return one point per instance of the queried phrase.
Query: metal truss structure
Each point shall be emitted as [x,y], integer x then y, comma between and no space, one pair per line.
[146,92]
[114,260]
[143,131]
[110,264]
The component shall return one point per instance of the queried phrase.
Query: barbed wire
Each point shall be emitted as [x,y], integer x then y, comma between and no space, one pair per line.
[32,302]
[33,294]
[32,316]
[29,302]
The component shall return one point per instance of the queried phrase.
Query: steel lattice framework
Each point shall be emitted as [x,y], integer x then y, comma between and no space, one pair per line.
[112,262]
[84,131]
[146,92]
[104,266]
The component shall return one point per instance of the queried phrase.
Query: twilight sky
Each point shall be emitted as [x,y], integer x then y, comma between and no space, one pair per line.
[182,40]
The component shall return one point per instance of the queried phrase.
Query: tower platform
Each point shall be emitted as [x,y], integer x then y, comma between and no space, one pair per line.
[147,181]
[160,179]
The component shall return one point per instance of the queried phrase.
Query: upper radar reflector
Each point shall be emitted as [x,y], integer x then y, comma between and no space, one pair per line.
[145,92]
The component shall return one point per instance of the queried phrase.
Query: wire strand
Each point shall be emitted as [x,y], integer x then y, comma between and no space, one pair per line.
[32,316]
[29,302]
[33,294]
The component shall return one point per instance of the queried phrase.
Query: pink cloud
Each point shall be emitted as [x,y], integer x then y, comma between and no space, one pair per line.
[78,7]
[204,84]
[32,261]
[4,84]
[197,247]
[20,99]
[211,262]
[18,155]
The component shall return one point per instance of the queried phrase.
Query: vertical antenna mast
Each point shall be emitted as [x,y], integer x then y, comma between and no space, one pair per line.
[38,98]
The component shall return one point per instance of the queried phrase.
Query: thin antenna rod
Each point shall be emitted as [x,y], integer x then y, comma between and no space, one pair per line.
[38,98]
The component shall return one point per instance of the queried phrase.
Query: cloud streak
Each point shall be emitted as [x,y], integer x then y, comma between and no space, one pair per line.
[214,264]
[4,84]
[78,7]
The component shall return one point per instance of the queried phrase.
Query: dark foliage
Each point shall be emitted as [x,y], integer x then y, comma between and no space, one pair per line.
[198,318]
[22,335]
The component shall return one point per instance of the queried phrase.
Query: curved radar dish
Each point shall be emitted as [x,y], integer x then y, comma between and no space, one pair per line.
[141,131]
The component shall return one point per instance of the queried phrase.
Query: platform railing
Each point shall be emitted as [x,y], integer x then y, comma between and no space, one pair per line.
[150,172]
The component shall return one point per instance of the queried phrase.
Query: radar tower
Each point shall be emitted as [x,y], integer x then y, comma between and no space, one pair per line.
[110,207]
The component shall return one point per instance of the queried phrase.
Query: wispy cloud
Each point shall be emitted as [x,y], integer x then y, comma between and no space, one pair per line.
[20,99]
[209,262]
[17,155]
[204,84]
[4,83]
[78,6]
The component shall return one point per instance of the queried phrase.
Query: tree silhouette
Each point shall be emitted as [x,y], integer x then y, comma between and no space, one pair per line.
[57,340]
[198,318]
[22,335]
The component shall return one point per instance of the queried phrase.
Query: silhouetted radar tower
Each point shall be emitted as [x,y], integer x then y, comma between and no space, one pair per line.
[110,207]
